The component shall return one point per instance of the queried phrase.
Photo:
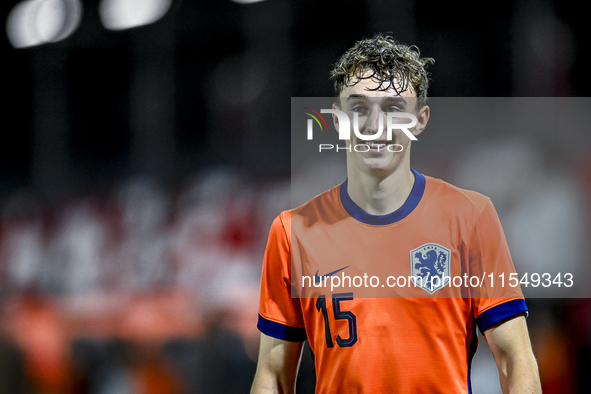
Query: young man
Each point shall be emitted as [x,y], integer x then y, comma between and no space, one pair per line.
[389,219]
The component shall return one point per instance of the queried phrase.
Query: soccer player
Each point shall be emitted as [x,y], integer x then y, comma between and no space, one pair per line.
[389,219]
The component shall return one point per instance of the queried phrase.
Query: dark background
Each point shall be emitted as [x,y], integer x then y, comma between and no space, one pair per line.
[75,109]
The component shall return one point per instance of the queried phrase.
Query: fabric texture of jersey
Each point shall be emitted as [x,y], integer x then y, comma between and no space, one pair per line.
[386,339]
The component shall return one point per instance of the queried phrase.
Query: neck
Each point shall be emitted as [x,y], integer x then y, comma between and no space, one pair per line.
[381,195]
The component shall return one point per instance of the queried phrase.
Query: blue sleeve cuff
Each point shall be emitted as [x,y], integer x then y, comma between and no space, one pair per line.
[281,331]
[501,312]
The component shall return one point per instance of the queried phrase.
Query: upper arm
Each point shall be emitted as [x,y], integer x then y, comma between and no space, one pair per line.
[511,347]
[509,337]
[277,366]
[280,317]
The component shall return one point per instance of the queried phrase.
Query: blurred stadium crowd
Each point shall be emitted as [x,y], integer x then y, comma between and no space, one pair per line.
[141,287]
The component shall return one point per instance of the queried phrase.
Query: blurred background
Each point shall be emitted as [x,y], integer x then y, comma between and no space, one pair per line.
[147,150]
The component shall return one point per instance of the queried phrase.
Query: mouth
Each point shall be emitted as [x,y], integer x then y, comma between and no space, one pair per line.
[378,146]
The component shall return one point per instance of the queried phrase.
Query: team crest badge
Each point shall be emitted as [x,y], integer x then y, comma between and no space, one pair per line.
[429,267]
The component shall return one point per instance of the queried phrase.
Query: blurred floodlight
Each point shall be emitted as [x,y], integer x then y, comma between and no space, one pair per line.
[126,14]
[73,16]
[51,16]
[20,32]
[36,22]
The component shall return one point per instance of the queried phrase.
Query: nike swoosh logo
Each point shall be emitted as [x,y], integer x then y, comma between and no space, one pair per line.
[319,279]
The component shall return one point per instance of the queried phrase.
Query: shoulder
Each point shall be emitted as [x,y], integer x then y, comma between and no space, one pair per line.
[454,197]
[323,207]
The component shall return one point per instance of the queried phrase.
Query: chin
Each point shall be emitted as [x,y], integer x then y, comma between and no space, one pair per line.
[373,166]
[378,171]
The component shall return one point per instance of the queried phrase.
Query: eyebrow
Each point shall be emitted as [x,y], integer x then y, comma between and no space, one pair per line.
[386,98]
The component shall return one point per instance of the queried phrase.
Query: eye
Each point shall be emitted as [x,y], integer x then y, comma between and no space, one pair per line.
[392,108]
[360,109]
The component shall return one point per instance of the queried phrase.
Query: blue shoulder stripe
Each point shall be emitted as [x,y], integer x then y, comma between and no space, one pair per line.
[281,331]
[501,312]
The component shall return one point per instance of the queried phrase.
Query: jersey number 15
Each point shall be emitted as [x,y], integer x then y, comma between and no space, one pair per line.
[338,315]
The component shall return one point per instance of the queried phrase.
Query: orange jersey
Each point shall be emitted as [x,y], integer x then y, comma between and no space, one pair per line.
[400,320]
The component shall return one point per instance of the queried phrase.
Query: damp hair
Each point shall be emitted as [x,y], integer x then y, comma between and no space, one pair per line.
[386,61]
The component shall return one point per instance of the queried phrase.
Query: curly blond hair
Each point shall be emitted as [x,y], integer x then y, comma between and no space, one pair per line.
[386,61]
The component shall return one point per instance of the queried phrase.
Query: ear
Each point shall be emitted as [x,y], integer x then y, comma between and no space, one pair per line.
[422,119]
[335,119]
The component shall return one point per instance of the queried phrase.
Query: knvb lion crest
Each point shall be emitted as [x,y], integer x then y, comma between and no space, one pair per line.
[429,267]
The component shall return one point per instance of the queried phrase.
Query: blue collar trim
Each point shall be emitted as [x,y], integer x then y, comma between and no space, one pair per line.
[409,205]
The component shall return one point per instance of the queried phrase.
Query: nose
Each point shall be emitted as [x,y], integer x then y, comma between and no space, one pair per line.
[375,122]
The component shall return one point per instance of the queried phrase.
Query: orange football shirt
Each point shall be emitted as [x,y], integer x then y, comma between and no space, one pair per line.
[380,330]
